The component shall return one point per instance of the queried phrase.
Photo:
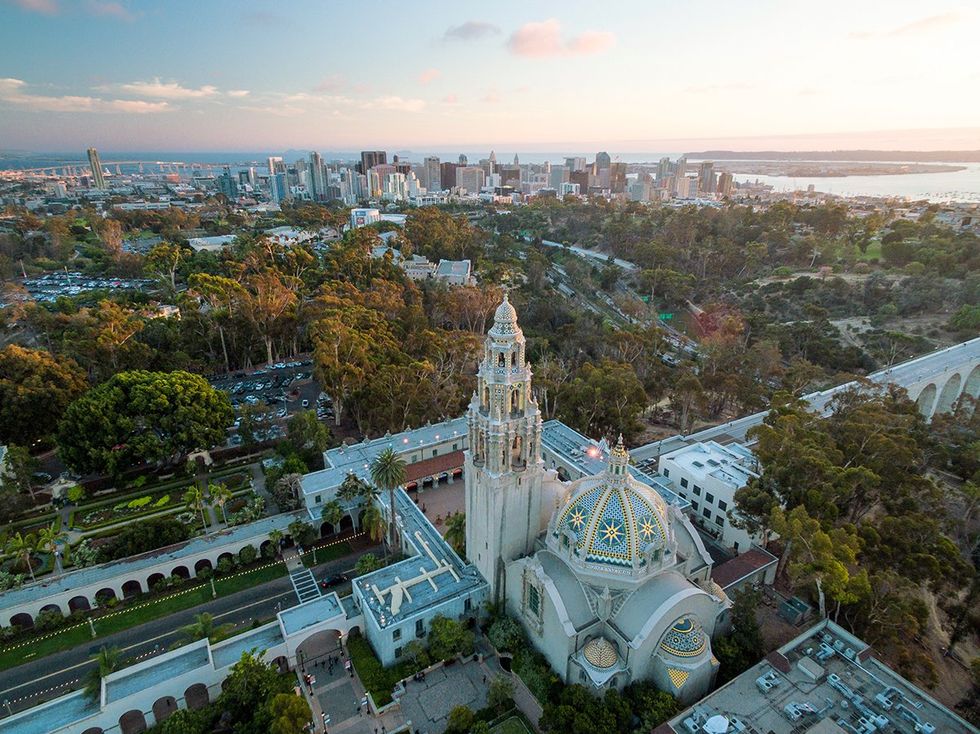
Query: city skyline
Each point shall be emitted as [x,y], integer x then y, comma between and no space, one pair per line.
[154,77]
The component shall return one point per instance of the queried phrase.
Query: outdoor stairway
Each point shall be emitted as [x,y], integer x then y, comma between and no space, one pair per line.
[305,585]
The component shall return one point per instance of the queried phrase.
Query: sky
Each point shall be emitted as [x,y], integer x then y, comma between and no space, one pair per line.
[227,75]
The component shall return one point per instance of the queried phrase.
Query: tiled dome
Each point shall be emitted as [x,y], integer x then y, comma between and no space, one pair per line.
[685,639]
[600,652]
[615,520]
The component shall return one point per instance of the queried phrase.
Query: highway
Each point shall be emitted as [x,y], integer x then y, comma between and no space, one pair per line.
[40,680]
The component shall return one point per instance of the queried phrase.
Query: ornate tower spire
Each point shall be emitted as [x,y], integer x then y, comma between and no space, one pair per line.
[503,464]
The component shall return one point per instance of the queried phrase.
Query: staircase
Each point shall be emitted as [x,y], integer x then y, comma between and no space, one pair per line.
[305,585]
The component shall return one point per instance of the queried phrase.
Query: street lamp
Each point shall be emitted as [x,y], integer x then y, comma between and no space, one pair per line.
[91,627]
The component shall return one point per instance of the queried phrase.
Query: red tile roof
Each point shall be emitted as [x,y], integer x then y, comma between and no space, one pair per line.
[433,467]
[741,566]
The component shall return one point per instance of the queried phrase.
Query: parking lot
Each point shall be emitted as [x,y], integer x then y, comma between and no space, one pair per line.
[276,392]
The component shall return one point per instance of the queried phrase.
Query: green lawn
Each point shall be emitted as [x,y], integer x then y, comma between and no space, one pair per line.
[513,725]
[330,553]
[873,252]
[141,612]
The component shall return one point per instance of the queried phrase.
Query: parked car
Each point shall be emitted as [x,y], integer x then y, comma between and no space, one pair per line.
[335,580]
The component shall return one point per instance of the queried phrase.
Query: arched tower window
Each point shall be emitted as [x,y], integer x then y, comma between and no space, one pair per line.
[513,359]
[500,360]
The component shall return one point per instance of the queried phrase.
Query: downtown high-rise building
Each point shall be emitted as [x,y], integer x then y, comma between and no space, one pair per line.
[706,177]
[98,176]
[372,158]
[602,160]
[432,178]
[276,165]
[317,177]
[663,169]
[726,182]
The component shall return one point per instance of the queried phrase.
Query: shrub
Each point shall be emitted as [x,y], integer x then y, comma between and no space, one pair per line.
[162,501]
[225,566]
[460,720]
[447,638]
[506,634]
[50,619]
[247,554]
[139,502]
[76,493]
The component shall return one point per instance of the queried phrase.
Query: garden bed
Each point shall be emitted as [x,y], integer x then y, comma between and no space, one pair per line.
[128,507]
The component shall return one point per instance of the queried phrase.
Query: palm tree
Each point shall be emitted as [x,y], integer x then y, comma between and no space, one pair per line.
[50,538]
[204,626]
[106,661]
[373,521]
[220,494]
[22,547]
[275,535]
[194,500]
[388,473]
[332,513]
[456,532]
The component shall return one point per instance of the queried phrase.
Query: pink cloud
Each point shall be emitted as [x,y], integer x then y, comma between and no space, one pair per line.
[542,39]
[45,7]
[450,99]
[428,75]
[109,9]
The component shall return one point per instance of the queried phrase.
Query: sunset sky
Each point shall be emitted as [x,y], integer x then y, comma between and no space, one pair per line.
[226,75]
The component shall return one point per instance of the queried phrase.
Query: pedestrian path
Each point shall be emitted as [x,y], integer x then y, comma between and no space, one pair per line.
[305,585]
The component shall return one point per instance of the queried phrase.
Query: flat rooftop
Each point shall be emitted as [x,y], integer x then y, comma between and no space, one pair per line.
[155,671]
[52,715]
[356,459]
[261,638]
[310,613]
[435,575]
[732,464]
[589,457]
[825,680]
[176,554]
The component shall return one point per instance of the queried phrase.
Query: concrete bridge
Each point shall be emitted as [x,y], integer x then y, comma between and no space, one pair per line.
[934,381]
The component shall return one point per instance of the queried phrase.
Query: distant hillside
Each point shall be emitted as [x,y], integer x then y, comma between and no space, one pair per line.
[918,156]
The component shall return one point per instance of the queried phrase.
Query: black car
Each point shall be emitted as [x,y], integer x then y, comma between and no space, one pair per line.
[334,580]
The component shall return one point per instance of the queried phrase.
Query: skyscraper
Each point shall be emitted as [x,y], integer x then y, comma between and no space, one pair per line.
[372,158]
[432,180]
[706,177]
[317,177]
[276,165]
[602,160]
[725,183]
[227,184]
[97,175]
[663,169]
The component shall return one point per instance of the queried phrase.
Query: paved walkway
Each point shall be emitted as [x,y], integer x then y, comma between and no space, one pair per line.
[441,501]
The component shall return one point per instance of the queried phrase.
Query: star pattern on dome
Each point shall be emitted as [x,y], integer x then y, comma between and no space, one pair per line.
[577,519]
[647,528]
[611,532]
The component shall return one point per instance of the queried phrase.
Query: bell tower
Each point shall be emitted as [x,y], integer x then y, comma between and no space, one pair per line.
[503,467]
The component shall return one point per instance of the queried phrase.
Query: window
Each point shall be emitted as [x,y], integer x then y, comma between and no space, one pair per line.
[683,495]
[666,472]
[415,457]
[735,546]
[419,628]
[396,634]
[694,506]
[697,491]
[398,652]
[319,499]
[455,447]
[709,497]
[722,505]
[435,452]
[467,605]
[706,512]
[719,520]
[533,599]
[684,482]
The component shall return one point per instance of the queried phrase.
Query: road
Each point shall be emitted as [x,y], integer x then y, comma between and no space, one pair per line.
[33,682]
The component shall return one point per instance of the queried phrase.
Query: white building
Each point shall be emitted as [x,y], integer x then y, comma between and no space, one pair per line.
[362,217]
[708,475]
[211,244]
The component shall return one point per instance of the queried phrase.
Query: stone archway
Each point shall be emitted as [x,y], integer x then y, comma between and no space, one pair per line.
[132,722]
[317,647]
[196,696]
[163,708]
[326,529]
[154,579]
[79,604]
[50,608]
[346,523]
[103,596]
[131,588]
[182,572]
[202,564]
[22,620]
[951,391]
[972,385]
[926,400]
